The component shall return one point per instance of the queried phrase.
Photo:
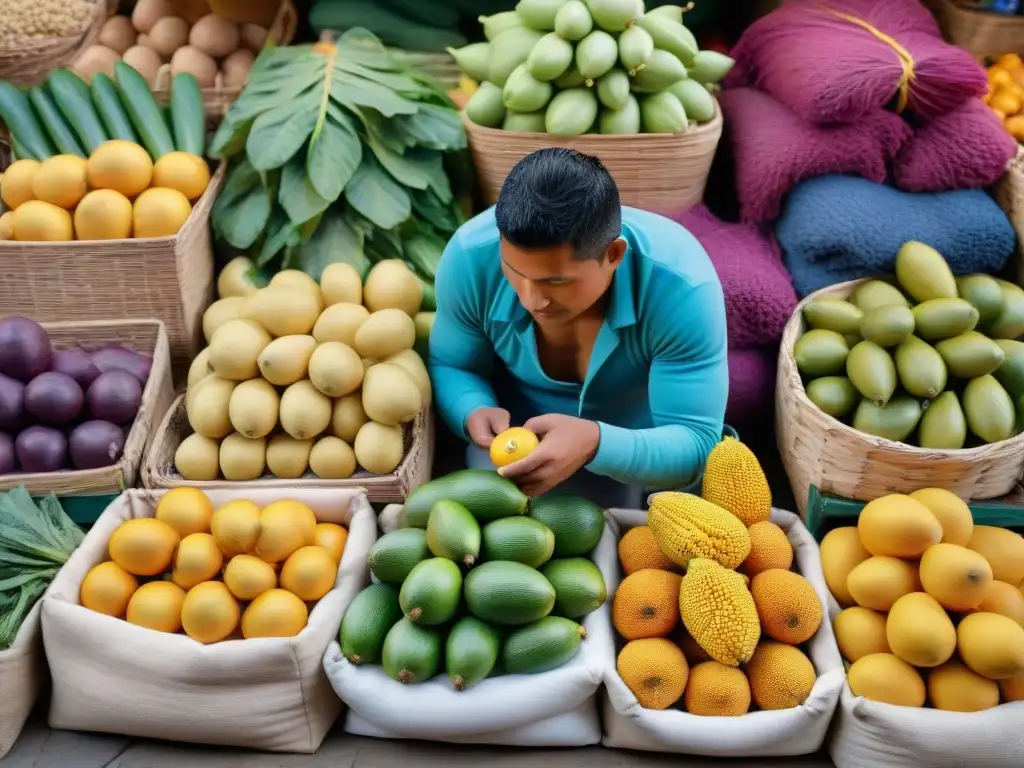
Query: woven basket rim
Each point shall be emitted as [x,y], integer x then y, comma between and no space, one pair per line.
[794,330]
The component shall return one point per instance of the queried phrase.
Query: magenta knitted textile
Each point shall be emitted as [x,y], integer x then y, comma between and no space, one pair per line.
[966,149]
[775,150]
[751,384]
[759,296]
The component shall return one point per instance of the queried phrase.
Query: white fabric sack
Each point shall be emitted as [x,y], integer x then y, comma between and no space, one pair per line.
[872,734]
[556,708]
[796,731]
[268,693]
[22,674]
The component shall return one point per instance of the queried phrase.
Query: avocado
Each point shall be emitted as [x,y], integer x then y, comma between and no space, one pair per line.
[395,554]
[923,273]
[894,421]
[944,318]
[872,371]
[411,653]
[471,652]
[920,367]
[877,293]
[833,315]
[989,409]
[579,586]
[452,532]
[984,294]
[887,326]
[943,425]
[370,615]
[820,353]
[542,646]
[486,494]
[508,593]
[430,595]
[577,523]
[970,355]
[521,539]
[1009,324]
[834,395]
[1011,372]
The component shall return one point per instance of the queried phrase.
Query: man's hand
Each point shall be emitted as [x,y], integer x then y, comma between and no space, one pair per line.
[484,424]
[566,444]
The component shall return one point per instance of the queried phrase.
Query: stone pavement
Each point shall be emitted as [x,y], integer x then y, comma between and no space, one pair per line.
[39,747]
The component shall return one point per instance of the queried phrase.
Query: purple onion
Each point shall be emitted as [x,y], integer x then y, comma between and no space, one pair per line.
[115,396]
[41,449]
[54,398]
[76,363]
[25,349]
[118,358]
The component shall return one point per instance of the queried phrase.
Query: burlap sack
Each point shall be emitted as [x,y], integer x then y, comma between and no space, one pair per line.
[270,694]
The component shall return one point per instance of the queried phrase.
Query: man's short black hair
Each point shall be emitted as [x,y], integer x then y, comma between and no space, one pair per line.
[556,196]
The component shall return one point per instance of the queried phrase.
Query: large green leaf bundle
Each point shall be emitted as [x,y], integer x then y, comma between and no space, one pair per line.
[35,541]
[337,153]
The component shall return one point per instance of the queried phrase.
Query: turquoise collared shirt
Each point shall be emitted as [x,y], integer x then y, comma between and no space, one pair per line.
[657,380]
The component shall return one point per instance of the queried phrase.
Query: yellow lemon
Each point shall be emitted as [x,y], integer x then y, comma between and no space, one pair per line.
[7,226]
[157,605]
[309,573]
[61,180]
[285,526]
[17,183]
[120,165]
[277,613]
[198,559]
[159,212]
[143,546]
[186,510]
[104,214]
[36,221]
[184,172]
[210,612]
[512,445]
[236,527]
[107,588]
[331,537]
[248,577]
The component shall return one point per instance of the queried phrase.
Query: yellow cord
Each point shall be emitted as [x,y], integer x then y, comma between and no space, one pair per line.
[906,60]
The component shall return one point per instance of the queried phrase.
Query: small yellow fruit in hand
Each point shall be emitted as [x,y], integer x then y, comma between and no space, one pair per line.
[104,214]
[107,588]
[186,173]
[186,510]
[159,212]
[512,445]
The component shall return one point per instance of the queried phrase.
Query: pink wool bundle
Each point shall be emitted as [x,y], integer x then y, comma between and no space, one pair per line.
[759,296]
[774,150]
[751,384]
[834,61]
[966,149]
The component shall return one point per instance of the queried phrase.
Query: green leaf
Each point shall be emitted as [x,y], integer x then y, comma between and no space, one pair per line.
[424,251]
[434,127]
[443,216]
[278,134]
[386,244]
[335,240]
[377,196]
[335,152]
[241,210]
[298,197]
[279,229]
[393,81]
[355,93]
[404,171]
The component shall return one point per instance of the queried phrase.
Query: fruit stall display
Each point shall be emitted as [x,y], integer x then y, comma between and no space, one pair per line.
[304,376]
[715,621]
[569,67]
[101,161]
[476,587]
[928,613]
[207,615]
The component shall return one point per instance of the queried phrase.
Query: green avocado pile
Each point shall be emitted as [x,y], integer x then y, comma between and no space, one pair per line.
[470,585]
[931,360]
[569,67]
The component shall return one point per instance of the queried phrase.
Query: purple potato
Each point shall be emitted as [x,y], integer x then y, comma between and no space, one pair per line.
[12,402]
[117,358]
[115,397]
[25,349]
[41,449]
[96,444]
[76,363]
[8,461]
[54,398]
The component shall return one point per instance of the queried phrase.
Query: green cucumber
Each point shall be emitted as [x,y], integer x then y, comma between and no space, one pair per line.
[542,646]
[143,110]
[18,150]
[430,595]
[503,592]
[395,554]
[485,493]
[579,586]
[72,97]
[452,532]
[51,118]
[16,113]
[519,539]
[411,653]
[188,116]
[471,652]
[111,111]
[369,618]
[576,522]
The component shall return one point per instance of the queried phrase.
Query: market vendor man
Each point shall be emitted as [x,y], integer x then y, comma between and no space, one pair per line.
[598,327]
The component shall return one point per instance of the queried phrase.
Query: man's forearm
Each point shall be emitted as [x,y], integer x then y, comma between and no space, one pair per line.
[659,458]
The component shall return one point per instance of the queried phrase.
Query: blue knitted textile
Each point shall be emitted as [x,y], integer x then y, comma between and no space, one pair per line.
[836,228]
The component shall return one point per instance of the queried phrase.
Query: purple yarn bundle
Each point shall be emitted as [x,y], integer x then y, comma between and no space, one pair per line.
[834,62]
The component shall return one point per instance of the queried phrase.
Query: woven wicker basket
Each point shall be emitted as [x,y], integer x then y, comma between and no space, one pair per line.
[159,471]
[31,63]
[217,99]
[983,33]
[169,278]
[817,448]
[146,336]
[1009,193]
[440,66]
[654,171]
